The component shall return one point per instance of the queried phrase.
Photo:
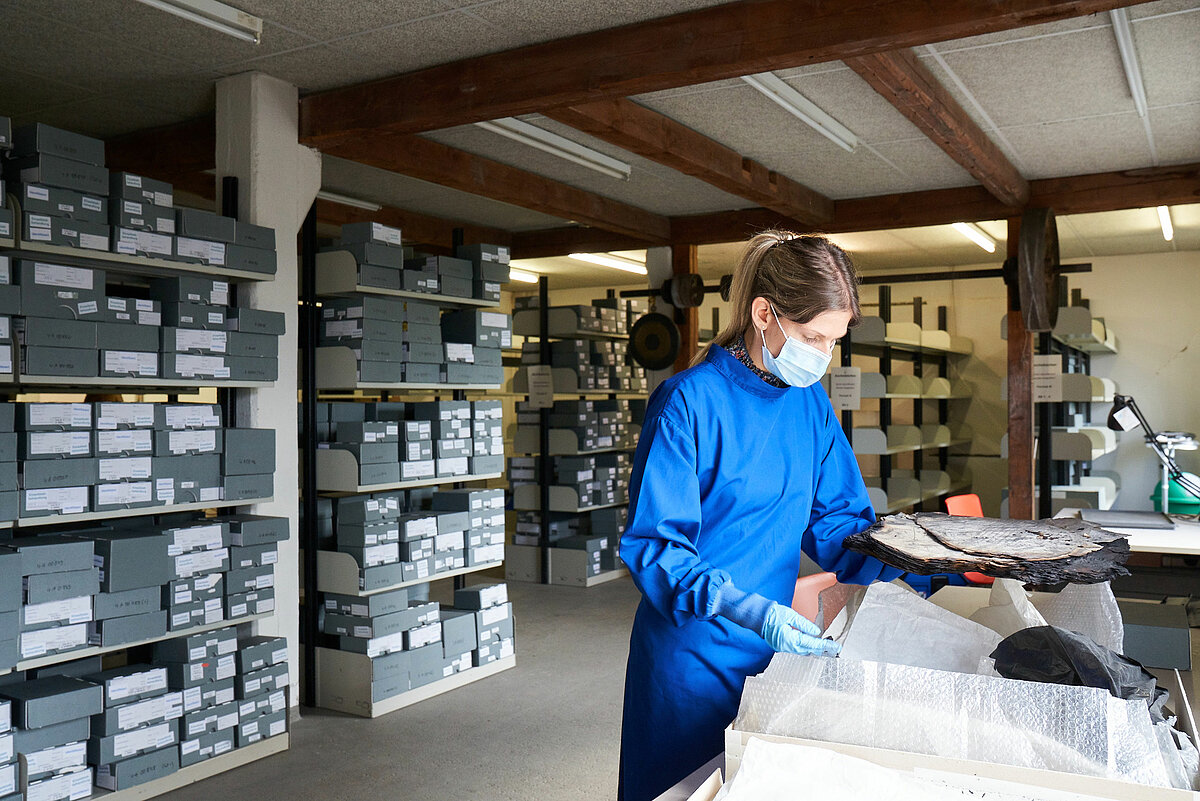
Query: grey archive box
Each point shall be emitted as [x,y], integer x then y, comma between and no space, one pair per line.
[127,603]
[198,224]
[249,451]
[134,715]
[251,530]
[187,479]
[362,307]
[371,232]
[113,631]
[190,289]
[122,336]
[115,747]
[252,368]
[255,653]
[194,315]
[50,473]
[255,321]
[369,606]
[54,444]
[134,311]
[247,487]
[369,253]
[140,215]
[43,588]
[380,277]
[250,259]
[58,202]
[52,333]
[49,170]
[131,559]
[253,236]
[6,139]
[136,242]
[184,416]
[138,770]
[29,140]
[127,186]
[54,699]
[129,683]
[252,345]
[188,442]
[10,300]
[124,443]
[66,233]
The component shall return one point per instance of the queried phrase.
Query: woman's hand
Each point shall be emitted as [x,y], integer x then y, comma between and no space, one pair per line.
[789,632]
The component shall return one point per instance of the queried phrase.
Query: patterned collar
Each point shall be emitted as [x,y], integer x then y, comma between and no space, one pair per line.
[738,349]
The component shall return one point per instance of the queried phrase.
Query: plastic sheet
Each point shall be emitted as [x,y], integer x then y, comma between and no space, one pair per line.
[1087,609]
[1009,609]
[898,626]
[960,715]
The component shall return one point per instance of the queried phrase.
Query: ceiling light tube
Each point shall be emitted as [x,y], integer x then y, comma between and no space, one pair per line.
[976,234]
[609,260]
[796,104]
[346,200]
[215,15]
[1129,59]
[523,275]
[555,145]
[1164,220]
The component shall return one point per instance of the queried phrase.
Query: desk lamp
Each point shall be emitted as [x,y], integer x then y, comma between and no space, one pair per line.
[1126,416]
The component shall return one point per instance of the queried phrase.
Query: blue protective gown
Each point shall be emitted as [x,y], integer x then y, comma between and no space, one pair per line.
[733,478]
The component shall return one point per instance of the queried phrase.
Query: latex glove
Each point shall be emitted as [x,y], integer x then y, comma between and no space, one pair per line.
[787,631]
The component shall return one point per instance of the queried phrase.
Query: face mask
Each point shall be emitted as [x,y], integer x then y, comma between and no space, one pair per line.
[797,364]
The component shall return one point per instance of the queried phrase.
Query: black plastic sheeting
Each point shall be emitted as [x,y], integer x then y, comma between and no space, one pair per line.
[1057,656]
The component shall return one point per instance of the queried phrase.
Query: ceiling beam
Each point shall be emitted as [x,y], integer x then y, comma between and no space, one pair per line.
[640,130]
[902,80]
[414,227]
[180,149]
[725,41]
[432,161]
[1079,194]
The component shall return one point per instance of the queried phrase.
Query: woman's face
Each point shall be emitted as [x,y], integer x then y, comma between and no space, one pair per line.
[822,332]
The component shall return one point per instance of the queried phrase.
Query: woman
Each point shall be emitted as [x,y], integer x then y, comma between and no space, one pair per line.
[741,465]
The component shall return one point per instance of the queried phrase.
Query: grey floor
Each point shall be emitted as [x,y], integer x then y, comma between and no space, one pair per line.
[546,730]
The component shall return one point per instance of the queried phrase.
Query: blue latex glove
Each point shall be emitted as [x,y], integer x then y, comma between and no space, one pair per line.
[787,631]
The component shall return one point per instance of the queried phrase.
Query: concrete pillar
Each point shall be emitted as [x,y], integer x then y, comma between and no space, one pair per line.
[257,141]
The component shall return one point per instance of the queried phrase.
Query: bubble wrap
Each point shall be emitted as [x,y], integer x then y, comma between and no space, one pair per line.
[959,715]
[1087,609]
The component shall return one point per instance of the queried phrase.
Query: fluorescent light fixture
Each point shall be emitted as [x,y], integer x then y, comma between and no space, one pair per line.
[523,275]
[555,145]
[1164,219]
[346,200]
[976,234]
[791,101]
[1129,59]
[609,260]
[212,14]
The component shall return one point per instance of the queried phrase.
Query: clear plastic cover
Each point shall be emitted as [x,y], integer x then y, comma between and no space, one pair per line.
[1087,609]
[960,715]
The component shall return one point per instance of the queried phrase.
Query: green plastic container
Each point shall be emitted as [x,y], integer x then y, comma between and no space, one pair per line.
[1182,502]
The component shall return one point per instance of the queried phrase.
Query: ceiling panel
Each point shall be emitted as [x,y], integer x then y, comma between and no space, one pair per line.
[1056,78]
[925,164]
[310,69]
[650,186]
[851,101]
[1168,51]
[1161,8]
[369,183]
[1047,30]
[22,92]
[1078,147]
[537,21]
[1176,133]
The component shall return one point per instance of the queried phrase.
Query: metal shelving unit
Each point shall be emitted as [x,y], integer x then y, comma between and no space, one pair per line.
[337,370]
[337,275]
[201,770]
[141,511]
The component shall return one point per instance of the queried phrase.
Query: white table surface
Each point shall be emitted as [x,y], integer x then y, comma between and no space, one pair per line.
[1183,540]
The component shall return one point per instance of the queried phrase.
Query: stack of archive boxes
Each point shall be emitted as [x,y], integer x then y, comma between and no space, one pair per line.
[7,227]
[394,341]
[134,738]
[8,756]
[379,255]
[52,716]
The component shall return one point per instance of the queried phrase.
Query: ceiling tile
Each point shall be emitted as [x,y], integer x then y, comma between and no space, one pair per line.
[1176,133]
[1046,79]
[698,89]
[139,29]
[322,20]
[925,164]
[650,186]
[310,69]
[1047,30]
[358,180]
[1078,147]
[24,92]
[851,101]
[1143,10]
[1168,50]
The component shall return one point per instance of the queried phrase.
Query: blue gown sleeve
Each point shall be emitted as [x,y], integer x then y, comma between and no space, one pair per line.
[841,508]
[659,543]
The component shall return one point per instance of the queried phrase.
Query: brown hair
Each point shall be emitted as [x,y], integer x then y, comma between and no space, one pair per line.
[802,275]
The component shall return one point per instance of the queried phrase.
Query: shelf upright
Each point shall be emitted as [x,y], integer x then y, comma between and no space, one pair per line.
[543,463]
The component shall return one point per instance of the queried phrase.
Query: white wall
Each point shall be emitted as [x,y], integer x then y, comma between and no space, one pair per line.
[1151,301]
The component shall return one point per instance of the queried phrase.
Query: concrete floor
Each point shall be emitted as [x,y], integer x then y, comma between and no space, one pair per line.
[547,729]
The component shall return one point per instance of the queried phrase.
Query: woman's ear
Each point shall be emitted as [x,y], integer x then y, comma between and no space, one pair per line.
[760,313]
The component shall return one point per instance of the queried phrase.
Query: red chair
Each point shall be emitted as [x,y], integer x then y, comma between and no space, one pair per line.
[808,588]
[968,505]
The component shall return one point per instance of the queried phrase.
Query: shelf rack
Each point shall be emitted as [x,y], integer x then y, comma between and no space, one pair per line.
[887,340]
[141,511]
[332,677]
[128,265]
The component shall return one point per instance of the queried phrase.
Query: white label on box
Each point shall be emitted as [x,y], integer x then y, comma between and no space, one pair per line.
[70,610]
[494,615]
[277,727]
[191,416]
[64,415]
[134,467]
[423,568]
[141,683]
[124,493]
[6,361]
[196,339]
[166,201]
[93,242]
[227,721]
[111,415]
[37,192]
[125,441]
[493,320]
[343,328]
[5,328]
[385,645]
[210,493]
[386,234]
[1047,378]
[56,758]
[131,362]
[92,203]
[208,252]
[67,500]
[118,304]
[149,318]
[6,751]
[195,538]
[203,441]
[132,207]
[216,318]
[60,638]
[39,221]
[133,181]
[164,490]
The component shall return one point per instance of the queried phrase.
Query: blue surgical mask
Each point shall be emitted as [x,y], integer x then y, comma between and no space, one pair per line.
[797,364]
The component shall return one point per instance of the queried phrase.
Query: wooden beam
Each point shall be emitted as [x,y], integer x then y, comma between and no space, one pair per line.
[575,239]
[162,153]
[1020,397]
[441,164]
[907,84]
[657,137]
[725,41]
[685,261]
[414,227]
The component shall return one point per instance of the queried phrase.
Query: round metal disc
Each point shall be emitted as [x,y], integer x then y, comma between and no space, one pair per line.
[1038,269]
[726,287]
[686,291]
[654,341]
